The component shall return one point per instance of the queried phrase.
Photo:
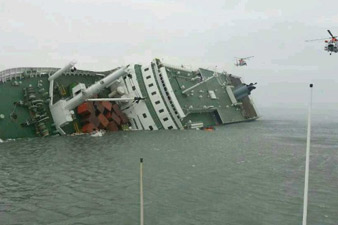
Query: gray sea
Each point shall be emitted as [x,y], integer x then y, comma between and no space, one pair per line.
[246,173]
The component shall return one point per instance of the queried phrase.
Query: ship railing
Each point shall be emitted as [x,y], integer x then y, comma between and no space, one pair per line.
[9,74]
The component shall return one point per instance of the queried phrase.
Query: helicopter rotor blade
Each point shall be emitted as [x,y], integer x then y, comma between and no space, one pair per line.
[330,33]
[248,57]
[320,39]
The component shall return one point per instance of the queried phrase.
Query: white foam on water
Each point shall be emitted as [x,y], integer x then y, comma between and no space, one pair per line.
[99,133]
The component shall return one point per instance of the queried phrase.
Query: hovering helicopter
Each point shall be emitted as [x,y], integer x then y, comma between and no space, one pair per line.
[331,45]
[241,61]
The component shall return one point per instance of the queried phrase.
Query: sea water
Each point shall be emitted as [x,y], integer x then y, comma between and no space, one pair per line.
[246,173]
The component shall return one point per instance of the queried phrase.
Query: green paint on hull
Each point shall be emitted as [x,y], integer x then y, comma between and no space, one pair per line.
[194,103]
[11,128]
[206,104]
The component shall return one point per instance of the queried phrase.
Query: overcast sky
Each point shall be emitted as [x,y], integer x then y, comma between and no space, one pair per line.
[103,34]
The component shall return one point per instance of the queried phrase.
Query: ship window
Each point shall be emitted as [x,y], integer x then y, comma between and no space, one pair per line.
[153,93]
[157,102]
[146,69]
[171,127]
[134,88]
[150,85]
[148,77]
[151,128]
[165,119]
[161,111]
[144,115]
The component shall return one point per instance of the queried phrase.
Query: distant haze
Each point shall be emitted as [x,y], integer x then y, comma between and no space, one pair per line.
[103,34]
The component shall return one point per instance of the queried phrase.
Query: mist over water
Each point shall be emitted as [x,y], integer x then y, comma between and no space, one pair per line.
[246,173]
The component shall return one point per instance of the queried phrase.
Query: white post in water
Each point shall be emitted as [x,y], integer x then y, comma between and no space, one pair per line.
[306,182]
[141,192]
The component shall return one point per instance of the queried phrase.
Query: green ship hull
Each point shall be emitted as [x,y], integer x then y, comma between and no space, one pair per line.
[40,102]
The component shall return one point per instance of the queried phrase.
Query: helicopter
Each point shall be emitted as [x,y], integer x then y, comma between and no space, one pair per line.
[241,61]
[331,45]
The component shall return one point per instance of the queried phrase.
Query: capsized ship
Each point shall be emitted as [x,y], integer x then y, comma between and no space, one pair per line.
[44,101]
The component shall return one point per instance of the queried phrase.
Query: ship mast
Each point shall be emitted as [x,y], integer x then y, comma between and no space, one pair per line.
[62,111]
[307,162]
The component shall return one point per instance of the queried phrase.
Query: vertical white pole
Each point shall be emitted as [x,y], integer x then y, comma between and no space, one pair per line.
[306,182]
[141,192]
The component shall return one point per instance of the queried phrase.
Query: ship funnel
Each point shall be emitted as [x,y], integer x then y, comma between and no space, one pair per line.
[244,90]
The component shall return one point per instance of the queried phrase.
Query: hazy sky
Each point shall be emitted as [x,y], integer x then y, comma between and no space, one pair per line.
[103,34]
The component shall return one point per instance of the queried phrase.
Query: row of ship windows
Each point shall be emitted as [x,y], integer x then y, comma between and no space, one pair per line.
[153,93]
[169,98]
[145,116]
[151,127]
[165,89]
[157,102]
